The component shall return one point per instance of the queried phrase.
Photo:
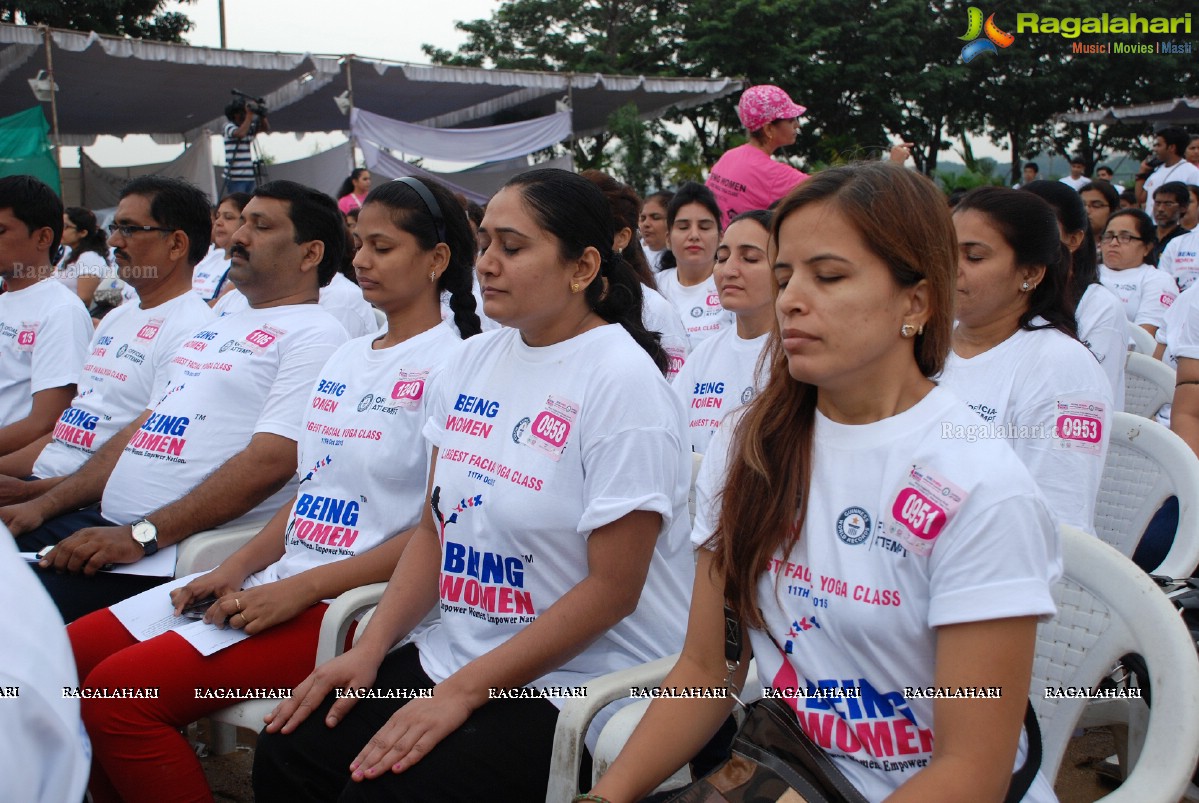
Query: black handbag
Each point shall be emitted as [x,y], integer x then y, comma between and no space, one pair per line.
[774,761]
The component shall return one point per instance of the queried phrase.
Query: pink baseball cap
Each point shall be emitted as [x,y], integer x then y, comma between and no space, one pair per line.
[764,104]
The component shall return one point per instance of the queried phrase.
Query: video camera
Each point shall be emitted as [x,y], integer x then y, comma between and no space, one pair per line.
[243,101]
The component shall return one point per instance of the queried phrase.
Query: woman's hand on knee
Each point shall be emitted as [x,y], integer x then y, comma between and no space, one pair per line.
[411,733]
[347,671]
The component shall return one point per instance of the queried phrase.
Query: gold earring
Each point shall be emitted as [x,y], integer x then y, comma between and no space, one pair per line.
[574,287]
[907,330]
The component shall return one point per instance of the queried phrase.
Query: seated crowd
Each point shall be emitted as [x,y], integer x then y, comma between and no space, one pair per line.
[887,394]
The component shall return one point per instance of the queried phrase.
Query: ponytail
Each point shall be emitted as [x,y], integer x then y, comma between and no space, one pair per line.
[616,297]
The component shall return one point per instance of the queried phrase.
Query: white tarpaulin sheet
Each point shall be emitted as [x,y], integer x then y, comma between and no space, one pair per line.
[491,144]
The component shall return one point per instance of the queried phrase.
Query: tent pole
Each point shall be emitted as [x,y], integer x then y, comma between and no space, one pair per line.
[220,5]
[53,103]
[82,178]
[350,89]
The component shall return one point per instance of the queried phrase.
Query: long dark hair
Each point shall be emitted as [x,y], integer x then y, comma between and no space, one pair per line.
[410,213]
[1072,215]
[94,239]
[347,186]
[574,210]
[901,218]
[1029,226]
[626,206]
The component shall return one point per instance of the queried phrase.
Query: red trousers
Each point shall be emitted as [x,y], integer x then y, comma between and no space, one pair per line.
[139,753]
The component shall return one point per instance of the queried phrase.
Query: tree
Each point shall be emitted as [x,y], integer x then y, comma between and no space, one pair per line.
[139,19]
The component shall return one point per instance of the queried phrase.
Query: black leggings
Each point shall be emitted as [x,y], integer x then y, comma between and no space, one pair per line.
[501,753]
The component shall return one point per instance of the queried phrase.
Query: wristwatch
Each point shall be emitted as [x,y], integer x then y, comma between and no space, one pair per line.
[146,535]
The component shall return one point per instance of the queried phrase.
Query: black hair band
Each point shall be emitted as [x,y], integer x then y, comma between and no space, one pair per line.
[430,203]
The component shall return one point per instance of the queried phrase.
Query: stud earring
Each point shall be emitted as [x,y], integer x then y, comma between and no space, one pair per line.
[574,287]
[920,329]
[1026,287]
[907,330]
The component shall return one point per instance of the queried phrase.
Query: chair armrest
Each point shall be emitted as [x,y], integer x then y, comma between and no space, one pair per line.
[339,618]
[576,715]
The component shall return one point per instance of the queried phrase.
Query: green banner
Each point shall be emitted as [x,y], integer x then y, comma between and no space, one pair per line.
[25,147]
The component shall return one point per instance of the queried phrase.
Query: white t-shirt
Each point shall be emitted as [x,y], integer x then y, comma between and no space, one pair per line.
[653,258]
[89,264]
[208,277]
[718,378]
[906,530]
[364,465]
[131,352]
[44,332]
[538,447]
[45,755]
[659,315]
[1182,171]
[1180,335]
[343,299]
[1075,183]
[345,304]
[1145,292]
[1180,259]
[241,375]
[1103,329]
[1043,393]
[698,306]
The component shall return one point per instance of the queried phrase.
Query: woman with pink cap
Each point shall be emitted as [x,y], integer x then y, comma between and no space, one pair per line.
[746,177]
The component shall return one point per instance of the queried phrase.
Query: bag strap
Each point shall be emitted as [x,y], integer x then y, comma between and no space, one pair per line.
[1022,778]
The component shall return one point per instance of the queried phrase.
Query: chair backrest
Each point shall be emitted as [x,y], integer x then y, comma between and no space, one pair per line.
[1148,384]
[1142,341]
[1106,608]
[1146,464]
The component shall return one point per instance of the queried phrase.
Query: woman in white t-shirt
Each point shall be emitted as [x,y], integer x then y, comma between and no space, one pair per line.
[651,225]
[85,261]
[919,556]
[693,223]
[657,314]
[1016,359]
[1129,243]
[554,544]
[363,468]
[209,277]
[1102,327]
[723,371]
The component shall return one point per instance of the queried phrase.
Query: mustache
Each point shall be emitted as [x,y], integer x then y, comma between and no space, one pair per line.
[239,251]
[119,254]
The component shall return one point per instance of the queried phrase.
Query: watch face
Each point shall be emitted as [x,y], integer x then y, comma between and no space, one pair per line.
[144,532]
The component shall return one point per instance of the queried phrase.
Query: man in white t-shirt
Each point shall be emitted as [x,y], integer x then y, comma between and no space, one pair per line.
[219,442]
[1169,145]
[132,348]
[1076,180]
[1180,259]
[44,328]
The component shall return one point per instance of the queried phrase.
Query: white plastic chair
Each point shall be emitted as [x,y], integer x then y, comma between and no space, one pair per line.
[1148,384]
[206,550]
[335,625]
[1141,341]
[1146,464]
[1107,608]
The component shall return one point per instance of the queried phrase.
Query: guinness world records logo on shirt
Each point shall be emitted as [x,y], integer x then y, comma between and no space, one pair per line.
[853,526]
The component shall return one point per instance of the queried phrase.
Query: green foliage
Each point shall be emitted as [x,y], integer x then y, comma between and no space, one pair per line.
[871,72]
[139,19]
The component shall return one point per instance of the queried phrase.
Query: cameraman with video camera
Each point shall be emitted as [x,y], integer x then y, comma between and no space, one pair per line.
[247,117]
